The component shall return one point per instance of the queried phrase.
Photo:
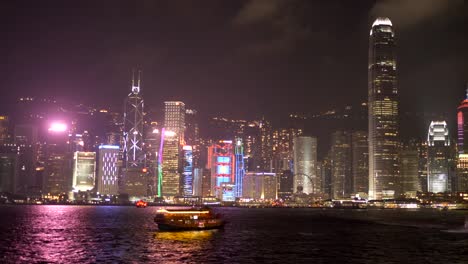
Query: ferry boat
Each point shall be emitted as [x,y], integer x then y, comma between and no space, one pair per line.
[141,204]
[188,219]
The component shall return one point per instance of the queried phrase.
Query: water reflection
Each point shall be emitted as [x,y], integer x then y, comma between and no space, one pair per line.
[186,236]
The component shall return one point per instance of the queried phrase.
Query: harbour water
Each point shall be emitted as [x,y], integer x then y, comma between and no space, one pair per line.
[120,234]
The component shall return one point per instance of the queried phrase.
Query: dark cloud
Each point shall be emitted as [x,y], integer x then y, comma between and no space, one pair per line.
[414,12]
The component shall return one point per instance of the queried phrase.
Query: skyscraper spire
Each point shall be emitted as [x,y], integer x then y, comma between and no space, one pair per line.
[136,88]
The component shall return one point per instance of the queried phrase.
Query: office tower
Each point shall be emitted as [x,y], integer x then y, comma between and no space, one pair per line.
[409,170]
[282,146]
[134,154]
[84,167]
[305,159]
[151,147]
[221,162]
[168,170]
[197,181]
[260,185]
[108,170]
[187,174]
[438,157]
[360,162]
[58,161]
[462,132]
[326,176]
[8,168]
[26,139]
[4,129]
[238,166]
[383,111]
[266,151]
[174,118]
[286,184]
[340,156]
[192,135]
[251,133]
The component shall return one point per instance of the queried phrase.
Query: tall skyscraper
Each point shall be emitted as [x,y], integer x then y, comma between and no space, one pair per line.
[341,162]
[221,162]
[133,128]
[187,174]
[305,159]
[260,185]
[462,161]
[239,167]
[383,111]
[108,170]
[169,164]
[174,118]
[135,174]
[409,170]
[438,157]
[360,162]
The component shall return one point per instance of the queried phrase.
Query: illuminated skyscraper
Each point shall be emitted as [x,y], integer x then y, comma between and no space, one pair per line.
[221,162]
[108,170]
[438,157]
[174,118]
[168,171]
[84,167]
[133,128]
[383,111]
[305,159]
[239,167]
[260,185]
[3,129]
[187,174]
[462,129]
[409,170]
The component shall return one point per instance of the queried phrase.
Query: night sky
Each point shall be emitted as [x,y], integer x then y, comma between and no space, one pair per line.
[241,59]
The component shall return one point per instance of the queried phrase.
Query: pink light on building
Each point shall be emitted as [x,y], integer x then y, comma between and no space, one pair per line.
[58,127]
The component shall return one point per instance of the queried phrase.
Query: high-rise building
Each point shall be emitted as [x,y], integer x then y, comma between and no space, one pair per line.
[260,185]
[8,168]
[360,162]
[192,135]
[221,162]
[187,174]
[134,154]
[462,131]
[84,171]
[409,170]
[438,162]
[108,170]
[135,173]
[341,162]
[383,111]
[286,184]
[174,118]
[266,151]
[169,161]
[305,159]
[238,166]
[197,182]
[4,129]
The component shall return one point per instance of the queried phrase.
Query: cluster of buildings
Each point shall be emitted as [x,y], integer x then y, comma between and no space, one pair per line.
[84,154]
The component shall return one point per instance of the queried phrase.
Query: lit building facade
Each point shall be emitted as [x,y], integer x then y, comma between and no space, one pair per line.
[168,171]
[221,162]
[305,159]
[438,162]
[174,118]
[383,111]
[239,167]
[84,171]
[108,170]
[409,170]
[260,185]
[134,154]
[187,174]
[462,140]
